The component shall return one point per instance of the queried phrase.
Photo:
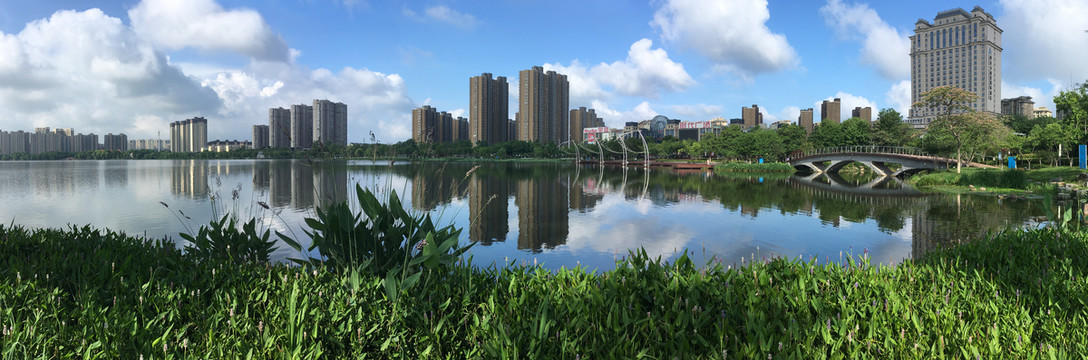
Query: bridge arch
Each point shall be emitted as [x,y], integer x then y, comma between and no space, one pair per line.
[912,160]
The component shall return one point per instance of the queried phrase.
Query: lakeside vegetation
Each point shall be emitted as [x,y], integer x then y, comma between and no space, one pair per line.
[390,284]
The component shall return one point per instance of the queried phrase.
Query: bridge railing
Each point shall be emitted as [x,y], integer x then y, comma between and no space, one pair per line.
[866,149]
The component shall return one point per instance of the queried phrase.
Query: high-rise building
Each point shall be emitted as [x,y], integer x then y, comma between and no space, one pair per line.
[1042,111]
[805,119]
[489,109]
[831,110]
[445,127]
[543,106]
[864,113]
[12,142]
[260,136]
[279,128]
[115,142]
[1022,105]
[330,122]
[751,115]
[424,124]
[189,135]
[302,126]
[459,129]
[581,118]
[959,49]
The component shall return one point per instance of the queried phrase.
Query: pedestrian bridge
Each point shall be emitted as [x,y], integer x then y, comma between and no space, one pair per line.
[877,158]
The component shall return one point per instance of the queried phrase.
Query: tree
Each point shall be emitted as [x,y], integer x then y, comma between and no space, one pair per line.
[959,128]
[827,134]
[855,131]
[793,137]
[969,134]
[890,130]
[1072,107]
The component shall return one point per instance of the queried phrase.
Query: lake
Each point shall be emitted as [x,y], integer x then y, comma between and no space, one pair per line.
[553,214]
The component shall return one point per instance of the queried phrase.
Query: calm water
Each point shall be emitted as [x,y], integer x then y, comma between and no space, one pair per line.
[554,214]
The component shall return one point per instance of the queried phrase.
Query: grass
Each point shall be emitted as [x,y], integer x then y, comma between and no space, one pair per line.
[990,178]
[761,168]
[89,293]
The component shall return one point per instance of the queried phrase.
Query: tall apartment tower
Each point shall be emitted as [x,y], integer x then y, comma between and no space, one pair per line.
[115,142]
[960,49]
[190,135]
[330,122]
[489,109]
[279,128]
[260,136]
[424,124]
[751,115]
[805,119]
[831,110]
[302,126]
[581,118]
[459,129]
[864,113]
[543,106]
[1022,105]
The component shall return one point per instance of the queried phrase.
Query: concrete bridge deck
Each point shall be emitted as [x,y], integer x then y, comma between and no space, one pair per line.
[877,158]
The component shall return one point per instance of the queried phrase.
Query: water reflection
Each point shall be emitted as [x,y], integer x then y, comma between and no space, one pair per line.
[558,213]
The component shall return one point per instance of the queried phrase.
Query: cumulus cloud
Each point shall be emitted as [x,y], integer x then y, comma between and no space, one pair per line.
[732,33]
[789,113]
[1040,97]
[616,118]
[899,98]
[882,45]
[645,72]
[88,71]
[1044,39]
[849,102]
[205,25]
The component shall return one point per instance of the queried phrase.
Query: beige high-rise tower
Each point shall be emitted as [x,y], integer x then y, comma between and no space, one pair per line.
[751,115]
[831,110]
[489,109]
[543,106]
[864,113]
[581,118]
[960,49]
[805,119]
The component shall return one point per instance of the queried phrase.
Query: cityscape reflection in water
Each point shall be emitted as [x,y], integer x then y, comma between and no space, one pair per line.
[549,213]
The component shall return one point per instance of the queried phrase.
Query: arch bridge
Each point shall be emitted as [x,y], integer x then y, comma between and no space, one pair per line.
[877,158]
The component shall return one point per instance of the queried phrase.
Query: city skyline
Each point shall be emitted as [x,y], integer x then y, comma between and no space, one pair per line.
[678,58]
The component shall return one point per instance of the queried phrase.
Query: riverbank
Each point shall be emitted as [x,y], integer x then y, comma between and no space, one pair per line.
[102,294]
[1001,182]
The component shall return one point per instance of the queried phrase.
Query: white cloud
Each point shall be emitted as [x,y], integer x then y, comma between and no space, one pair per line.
[87,71]
[1044,39]
[898,97]
[205,25]
[732,33]
[789,113]
[645,72]
[696,112]
[450,16]
[848,103]
[90,72]
[616,118]
[882,45]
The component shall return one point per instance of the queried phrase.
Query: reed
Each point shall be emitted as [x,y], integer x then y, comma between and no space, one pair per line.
[83,292]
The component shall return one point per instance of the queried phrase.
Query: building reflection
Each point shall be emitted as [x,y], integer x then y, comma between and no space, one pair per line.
[302,185]
[331,183]
[189,178]
[543,218]
[279,183]
[262,175]
[115,175]
[489,218]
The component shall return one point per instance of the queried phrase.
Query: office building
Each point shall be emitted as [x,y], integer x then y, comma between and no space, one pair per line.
[543,106]
[261,136]
[330,122]
[302,126]
[805,120]
[279,128]
[864,113]
[751,116]
[189,135]
[489,109]
[830,110]
[959,49]
[582,118]
[1022,105]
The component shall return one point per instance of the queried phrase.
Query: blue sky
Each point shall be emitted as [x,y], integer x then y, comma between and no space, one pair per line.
[134,66]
